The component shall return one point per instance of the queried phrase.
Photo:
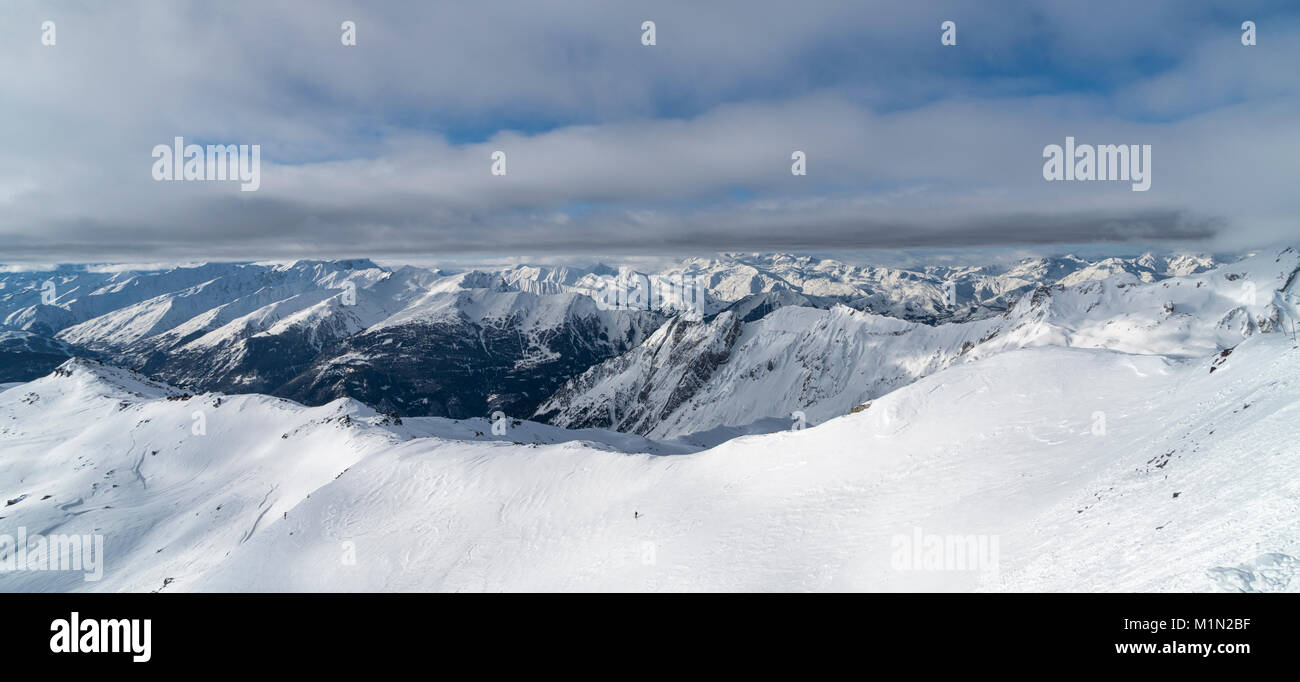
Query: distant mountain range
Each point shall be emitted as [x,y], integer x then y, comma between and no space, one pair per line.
[772,333]
[770,355]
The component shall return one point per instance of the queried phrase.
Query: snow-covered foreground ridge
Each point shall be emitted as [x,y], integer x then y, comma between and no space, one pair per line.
[1065,468]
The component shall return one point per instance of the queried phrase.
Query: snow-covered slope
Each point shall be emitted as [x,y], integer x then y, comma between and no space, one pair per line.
[1093,470]
[177,482]
[1079,469]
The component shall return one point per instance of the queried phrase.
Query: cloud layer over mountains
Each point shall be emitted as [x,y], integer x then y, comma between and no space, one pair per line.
[613,146]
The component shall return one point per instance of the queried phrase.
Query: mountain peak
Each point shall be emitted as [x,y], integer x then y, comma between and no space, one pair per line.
[342,264]
[107,380]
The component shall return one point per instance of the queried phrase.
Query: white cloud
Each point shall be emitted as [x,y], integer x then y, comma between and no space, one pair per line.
[686,145]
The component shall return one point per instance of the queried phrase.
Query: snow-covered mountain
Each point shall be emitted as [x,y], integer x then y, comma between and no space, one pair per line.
[409,340]
[1124,426]
[739,368]
[413,341]
[915,295]
[93,309]
[178,481]
[471,351]
[918,295]
[1065,468]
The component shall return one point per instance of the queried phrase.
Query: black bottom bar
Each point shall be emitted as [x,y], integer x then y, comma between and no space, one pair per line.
[642,633]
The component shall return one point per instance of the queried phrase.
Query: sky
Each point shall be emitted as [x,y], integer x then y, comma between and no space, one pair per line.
[384,148]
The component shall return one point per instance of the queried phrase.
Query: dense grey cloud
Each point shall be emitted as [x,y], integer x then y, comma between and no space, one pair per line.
[385,148]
